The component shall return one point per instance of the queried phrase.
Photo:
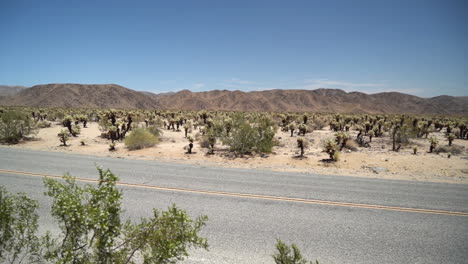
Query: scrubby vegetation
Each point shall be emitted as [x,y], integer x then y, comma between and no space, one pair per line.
[241,134]
[15,125]
[289,254]
[140,138]
[92,230]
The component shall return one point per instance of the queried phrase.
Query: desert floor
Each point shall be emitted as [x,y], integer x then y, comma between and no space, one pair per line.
[378,161]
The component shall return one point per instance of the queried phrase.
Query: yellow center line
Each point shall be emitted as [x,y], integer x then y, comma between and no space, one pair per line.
[254,196]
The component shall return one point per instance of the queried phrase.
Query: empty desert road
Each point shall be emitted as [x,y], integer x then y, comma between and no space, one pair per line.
[334,219]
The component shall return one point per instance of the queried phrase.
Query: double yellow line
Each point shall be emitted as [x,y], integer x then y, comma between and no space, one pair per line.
[253,196]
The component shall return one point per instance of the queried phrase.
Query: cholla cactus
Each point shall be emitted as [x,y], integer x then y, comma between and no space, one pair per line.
[331,149]
[302,129]
[76,130]
[67,122]
[341,139]
[112,146]
[371,135]
[292,127]
[83,119]
[228,125]
[190,145]
[433,144]
[301,144]
[187,127]
[63,136]
[450,138]
[305,118]
[113,133]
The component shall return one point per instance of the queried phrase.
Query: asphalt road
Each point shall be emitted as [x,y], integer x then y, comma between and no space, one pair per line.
[244,229]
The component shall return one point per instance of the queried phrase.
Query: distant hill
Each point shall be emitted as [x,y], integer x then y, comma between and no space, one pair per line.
[7,90]
[320,100]
[80,95]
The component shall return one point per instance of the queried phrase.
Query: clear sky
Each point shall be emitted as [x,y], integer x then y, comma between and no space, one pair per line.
[416,47]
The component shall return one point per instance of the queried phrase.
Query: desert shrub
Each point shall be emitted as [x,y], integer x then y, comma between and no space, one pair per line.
[289,254]
[318,123]
[90,228]
[401,134]
[44,124]
[265,135]
[246,137]
[454,149]
[18,226]
[242,137]
[351,145]
[404,134]
[104,124]
[15,125]
[155,130]
[140,138]
[204,141]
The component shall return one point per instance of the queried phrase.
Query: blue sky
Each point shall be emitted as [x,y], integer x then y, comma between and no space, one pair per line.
[416,47]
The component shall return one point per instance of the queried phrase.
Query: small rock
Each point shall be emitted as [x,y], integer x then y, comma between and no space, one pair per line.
[375,170]
[379,169]
[464,171]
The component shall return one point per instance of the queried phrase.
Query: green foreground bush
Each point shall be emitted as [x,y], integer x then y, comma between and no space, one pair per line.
[140,138]
[92,230]
[289,255]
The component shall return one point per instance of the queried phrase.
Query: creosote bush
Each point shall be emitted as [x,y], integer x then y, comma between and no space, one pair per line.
[246,137]
[140,138]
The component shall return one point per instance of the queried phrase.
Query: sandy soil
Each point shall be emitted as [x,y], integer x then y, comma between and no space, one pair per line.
[378,161]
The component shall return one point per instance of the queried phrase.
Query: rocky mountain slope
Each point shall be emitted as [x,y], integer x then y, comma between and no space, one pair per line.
[320,100]
[80,95]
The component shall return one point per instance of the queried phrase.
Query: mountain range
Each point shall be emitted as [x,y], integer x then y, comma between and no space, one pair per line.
[9,90]
[320,100]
